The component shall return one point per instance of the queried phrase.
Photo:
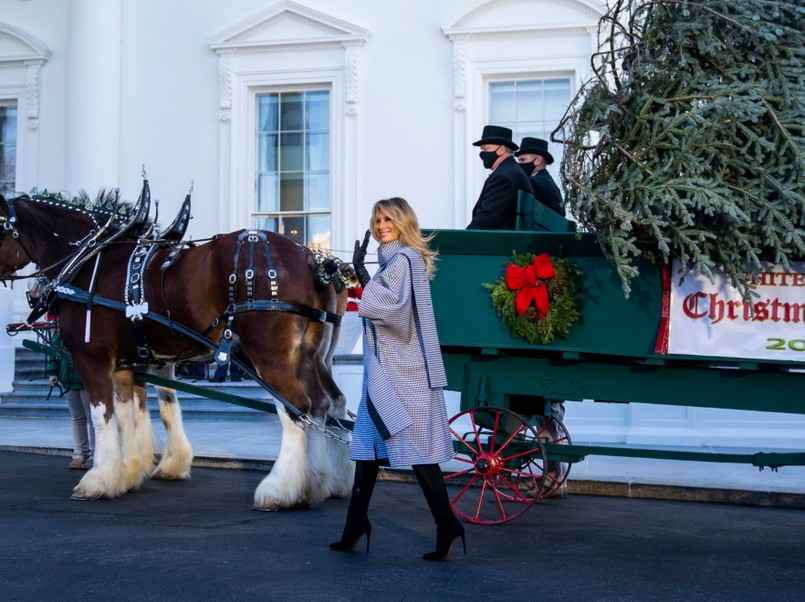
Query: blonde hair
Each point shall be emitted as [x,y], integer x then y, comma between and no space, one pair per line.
[404,218]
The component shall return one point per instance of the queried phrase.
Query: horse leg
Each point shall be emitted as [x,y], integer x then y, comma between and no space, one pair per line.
[135,465]
[340,470]
[105,478]
[177,456]
[143,428]
[286,485]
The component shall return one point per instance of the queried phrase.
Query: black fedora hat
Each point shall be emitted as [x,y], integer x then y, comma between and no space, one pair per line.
[496,134]
[535,146]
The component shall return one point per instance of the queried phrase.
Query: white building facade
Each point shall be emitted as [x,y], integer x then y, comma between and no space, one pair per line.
[298,116]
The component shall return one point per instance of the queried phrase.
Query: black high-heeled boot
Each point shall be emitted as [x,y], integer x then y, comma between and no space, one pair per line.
[448,528]
[358,524]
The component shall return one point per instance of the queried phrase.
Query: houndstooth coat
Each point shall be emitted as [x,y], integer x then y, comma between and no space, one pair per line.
[402,415]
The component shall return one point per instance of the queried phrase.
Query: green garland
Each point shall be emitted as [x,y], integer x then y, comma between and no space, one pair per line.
[563,311]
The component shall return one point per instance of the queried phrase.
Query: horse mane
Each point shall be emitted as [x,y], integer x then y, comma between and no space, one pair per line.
[99,207]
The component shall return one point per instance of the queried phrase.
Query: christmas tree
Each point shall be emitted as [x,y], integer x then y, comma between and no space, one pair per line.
[687,142]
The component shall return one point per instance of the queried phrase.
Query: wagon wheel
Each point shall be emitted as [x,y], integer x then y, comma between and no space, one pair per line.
[552,430]
[500,463]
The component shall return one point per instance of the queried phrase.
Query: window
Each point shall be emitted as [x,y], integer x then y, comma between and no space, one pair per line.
[530,108]
[8,147]
[293,165]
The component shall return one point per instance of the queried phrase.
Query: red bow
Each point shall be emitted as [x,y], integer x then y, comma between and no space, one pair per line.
[527,282]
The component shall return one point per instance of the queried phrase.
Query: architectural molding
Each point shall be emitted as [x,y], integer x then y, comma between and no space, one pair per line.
[478,9]
[287,26]
[23,51]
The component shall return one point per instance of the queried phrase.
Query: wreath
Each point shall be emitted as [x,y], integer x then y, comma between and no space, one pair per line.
[537,298]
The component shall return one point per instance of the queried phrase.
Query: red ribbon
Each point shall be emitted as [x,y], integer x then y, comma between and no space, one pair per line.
[528,283]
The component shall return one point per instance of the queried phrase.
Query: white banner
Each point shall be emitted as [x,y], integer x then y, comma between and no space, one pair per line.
[710,318]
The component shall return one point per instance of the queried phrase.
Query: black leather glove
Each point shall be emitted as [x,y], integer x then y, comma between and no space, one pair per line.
[357,259]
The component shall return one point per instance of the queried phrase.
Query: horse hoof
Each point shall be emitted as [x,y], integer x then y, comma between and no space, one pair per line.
[296,506]
[83,498]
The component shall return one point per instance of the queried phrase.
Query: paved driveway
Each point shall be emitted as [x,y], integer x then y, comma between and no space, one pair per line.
[200,540]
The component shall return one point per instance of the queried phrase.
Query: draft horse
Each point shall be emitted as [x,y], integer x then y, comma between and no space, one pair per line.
[224,289]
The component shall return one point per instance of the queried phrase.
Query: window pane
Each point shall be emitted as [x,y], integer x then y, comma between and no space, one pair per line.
[291,111]
[267,193]
[291,192]
[267,153]
[502,105]
[317,115]
[318,228]
[529,101]
[294,227]
[557,96]
[317,191]
[318,151]
[267,113]
[292,171]
[291,152]
[267,223]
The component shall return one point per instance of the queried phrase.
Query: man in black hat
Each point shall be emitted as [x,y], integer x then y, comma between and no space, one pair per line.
[534,156]
[496,208]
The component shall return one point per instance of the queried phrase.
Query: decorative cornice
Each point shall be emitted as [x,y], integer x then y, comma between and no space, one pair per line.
[595,9]
[30,48]
[286,46]
[514,33]
[245,37]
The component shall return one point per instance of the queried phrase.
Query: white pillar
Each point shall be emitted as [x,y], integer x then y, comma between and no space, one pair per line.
[6,343]
[93,103]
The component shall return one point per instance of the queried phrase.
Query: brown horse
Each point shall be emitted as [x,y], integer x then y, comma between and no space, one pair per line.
[291,351]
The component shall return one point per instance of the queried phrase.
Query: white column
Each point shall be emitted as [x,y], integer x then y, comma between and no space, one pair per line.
[93,104]
[6,343]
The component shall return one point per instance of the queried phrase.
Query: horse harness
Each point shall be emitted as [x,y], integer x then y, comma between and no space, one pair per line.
[135,306]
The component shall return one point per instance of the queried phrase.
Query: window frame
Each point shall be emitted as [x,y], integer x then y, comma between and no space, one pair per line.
[255,215]
[13,102]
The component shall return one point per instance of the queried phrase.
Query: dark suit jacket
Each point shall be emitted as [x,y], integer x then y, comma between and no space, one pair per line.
[496,208]
[546,191]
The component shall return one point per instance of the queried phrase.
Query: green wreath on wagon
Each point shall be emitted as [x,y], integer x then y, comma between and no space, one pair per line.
[537,297]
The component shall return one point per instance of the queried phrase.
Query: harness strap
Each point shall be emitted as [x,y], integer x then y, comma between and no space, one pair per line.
[134,293]
[72,293]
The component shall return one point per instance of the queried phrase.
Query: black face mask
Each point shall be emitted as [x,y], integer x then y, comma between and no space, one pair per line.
[489,158]
[527,168]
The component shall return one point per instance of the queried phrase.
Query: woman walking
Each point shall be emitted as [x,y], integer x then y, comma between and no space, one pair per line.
[402,418]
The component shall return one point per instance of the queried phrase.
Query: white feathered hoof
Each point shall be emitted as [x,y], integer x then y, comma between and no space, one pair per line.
[98,484]
[174,468]
[272,495]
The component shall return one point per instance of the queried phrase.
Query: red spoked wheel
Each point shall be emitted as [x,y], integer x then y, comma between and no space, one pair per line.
[552,430]
[500,464]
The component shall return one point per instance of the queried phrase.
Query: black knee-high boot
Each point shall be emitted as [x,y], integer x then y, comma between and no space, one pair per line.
[448,528]
[358,524]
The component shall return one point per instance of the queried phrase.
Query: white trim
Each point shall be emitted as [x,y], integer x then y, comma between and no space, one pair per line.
[22,68]
[333,61]
[478,59]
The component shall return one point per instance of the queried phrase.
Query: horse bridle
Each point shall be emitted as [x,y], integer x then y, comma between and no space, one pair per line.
[9,225]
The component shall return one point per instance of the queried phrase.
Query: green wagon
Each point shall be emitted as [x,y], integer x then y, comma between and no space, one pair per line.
[505,437]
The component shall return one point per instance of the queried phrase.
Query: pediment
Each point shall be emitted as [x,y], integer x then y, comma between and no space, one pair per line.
[287,24]
[18,46]
[489,17]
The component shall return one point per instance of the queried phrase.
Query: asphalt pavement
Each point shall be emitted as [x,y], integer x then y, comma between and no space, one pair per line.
[200,540]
